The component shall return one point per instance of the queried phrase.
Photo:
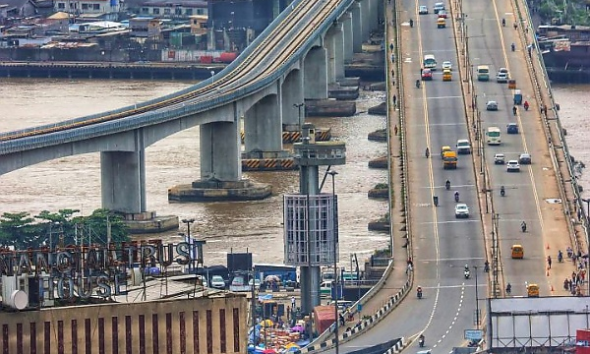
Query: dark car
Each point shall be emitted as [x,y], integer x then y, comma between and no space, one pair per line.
[512,128]
[426,74]
[525,159]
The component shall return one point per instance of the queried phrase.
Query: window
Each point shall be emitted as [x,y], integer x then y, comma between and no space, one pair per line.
[61,5]
[166,11]
[178,11]
[188,12]
[145,10]
[96,7]
[200,12]
[156,11]
[84,6]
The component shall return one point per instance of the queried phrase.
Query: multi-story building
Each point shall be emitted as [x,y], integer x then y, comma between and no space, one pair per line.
[172,9]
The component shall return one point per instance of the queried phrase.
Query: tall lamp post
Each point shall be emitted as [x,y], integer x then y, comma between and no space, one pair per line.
[476,301]
[335,230]
[300,106]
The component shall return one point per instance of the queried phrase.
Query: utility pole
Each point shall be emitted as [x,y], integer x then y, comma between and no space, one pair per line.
[476,301]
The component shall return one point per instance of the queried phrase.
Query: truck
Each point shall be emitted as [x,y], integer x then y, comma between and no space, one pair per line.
[449,160]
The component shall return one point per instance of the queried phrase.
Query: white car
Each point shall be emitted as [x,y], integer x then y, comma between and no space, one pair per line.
[446,65]
[217,282]
[502,78]
[463,147]
[492,106]
[513,166]
[461,210]
[423,10]
[499,159]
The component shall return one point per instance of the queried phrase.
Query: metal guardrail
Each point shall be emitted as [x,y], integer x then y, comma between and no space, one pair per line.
[146,119]
[526,25]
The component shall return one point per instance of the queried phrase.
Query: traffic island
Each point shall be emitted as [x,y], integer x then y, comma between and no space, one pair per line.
[148,222]
[378,135]
[379,162]
[329,108]
[215,191]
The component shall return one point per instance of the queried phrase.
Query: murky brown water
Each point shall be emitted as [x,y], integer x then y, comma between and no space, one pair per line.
[574,103]
[74,182]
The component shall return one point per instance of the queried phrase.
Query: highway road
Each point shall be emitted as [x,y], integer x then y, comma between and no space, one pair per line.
[442,243]
[489,44]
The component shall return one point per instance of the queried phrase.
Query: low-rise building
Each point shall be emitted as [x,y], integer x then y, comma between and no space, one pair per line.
[172,9]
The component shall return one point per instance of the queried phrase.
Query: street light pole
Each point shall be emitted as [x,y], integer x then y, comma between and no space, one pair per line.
[300,106]
[335,236]
[188,223]
[476,301]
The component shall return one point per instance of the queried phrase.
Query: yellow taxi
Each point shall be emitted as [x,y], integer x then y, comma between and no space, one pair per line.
[517,252]
[443,150]
[447,75]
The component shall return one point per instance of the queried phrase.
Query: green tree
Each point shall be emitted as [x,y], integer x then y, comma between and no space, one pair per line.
[59,227]
[95,227]
[19,231]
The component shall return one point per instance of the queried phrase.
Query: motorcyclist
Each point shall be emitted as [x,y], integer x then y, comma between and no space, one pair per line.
[503,22]
[427,153]
[435,200]
[502,191]
[457,196]
[526,105]
[508,288]
[466,272]
[523,226]
[486,266]
[421,340]
[419,292]
[513,47]
[448,184]
[559,256]
[417,83]
[411,23]
[514,110]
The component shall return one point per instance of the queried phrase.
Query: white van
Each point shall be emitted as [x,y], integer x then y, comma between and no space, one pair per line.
[429,62]
[493,136]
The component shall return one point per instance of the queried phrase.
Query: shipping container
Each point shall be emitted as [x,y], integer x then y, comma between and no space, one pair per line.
[323,317]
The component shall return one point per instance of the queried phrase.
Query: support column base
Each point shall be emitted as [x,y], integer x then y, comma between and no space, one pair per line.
[349,81]
[268,161]
[148,222]
[214,191]
[345,93]
[330,108]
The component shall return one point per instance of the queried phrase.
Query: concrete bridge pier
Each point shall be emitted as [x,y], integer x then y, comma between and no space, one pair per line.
[315,69]
[374,13]
[347,37]
[357,28]
[339,87]
[263,128]
[123,191]
[365,20]
[292,97]
[221,165]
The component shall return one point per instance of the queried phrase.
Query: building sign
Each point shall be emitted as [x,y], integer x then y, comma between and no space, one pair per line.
[85,271]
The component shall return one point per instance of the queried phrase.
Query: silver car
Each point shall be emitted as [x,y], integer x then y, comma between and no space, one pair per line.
[513,166]
[461,210]
[525,159]
[492,106]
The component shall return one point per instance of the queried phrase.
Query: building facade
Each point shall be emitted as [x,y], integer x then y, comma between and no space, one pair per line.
[215,325]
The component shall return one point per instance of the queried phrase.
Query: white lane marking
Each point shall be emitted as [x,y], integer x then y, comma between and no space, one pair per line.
[453,187]
[448,222]
[444,98]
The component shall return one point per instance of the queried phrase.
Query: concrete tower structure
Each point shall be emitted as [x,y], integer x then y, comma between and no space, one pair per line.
[310,225]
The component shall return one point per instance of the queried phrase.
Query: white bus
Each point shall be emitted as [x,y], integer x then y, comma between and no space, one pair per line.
[493,136]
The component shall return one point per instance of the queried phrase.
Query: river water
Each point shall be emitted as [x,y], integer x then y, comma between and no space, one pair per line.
[74,182]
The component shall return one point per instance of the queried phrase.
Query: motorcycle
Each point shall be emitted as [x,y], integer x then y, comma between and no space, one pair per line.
[456,197]
[514,110]
[526,106]
[523,226]
[486,267]
[427,153]
[411,23]
[503,22]
[508,288]
[419,294]
[448,184]
[418,84]
[502,191]
[421,342]
[513,47]
[560,256]
[466,273]
[435,200]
